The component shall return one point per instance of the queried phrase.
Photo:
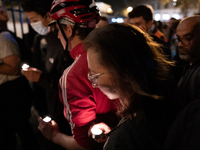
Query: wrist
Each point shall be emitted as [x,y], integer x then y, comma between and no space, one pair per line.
[56,138]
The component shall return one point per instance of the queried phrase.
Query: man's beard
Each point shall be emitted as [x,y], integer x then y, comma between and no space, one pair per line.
[185,57]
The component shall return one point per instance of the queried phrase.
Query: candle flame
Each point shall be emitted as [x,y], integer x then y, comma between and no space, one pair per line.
[25,66]
[47,119]
[96,130]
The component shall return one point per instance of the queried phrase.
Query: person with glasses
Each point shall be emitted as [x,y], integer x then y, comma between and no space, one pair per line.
[128,66]
[83,105]
[188,39]
[185,131]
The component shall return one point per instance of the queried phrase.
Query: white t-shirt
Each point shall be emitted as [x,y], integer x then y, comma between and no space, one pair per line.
[8,46]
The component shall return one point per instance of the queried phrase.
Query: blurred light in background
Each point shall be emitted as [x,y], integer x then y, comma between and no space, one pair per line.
[174,2]
[129,9]
[176,16]
[117,20]
[165,17]
[157,17]
[104,8]
[109,10]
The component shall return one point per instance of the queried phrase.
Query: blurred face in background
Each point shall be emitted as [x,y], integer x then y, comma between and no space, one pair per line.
[3,14]
[171,23]
[38,22]
[141,23]
[99,76]
[33,16]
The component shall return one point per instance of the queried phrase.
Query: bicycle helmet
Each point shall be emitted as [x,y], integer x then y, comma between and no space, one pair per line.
[82,12]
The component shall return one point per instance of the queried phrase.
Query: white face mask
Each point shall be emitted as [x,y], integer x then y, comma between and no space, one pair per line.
[40,28]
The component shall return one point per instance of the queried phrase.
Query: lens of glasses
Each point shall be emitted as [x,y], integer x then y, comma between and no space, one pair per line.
[93,79]
[184,41]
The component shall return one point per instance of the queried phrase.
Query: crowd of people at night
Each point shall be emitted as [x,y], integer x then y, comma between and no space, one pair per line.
[105,86]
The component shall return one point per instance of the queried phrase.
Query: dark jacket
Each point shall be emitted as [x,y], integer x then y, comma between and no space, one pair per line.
[189,84]
[185,131]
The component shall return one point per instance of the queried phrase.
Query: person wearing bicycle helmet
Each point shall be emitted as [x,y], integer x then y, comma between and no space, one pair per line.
[83,105]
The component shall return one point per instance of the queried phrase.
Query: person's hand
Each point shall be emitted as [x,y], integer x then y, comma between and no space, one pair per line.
[32,74]
[49,129]
[105,130]
[143,28]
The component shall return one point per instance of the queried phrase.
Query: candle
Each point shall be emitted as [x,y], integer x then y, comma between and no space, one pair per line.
[96,131]
[25,66]
[47,119]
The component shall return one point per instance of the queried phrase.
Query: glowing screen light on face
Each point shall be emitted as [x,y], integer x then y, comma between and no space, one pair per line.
[47,119]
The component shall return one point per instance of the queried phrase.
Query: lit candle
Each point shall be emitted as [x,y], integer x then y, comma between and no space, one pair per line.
[96,131]
[25,66]
[98,134]
[47,119]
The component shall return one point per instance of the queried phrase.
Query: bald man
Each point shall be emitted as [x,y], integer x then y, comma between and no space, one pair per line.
[188,38]
[185,132]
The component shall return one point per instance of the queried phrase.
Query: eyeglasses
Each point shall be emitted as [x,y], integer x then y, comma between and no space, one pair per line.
[185,41]
[93,78]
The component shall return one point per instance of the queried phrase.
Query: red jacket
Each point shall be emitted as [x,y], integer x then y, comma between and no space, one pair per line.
[83,104]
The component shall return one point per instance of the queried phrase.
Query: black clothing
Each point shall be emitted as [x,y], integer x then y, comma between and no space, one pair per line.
[151,132]
[52,63]
[185,131]
[15,102]
[189,84]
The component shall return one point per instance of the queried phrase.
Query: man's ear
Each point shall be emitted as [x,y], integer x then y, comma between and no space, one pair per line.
[149,24]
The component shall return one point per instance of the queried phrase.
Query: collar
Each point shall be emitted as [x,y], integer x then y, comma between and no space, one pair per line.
[123,120]
[195,63]
[77,50]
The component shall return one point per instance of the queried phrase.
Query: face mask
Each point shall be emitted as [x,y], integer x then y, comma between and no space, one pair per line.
[40,28]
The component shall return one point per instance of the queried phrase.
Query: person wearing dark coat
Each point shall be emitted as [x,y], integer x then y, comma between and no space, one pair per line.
[185,131]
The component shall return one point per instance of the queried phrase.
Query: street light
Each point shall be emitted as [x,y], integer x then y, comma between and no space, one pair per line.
[129,9]
[109,10]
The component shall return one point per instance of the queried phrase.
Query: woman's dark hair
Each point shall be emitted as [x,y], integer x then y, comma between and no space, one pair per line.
[138,64]
[39,6]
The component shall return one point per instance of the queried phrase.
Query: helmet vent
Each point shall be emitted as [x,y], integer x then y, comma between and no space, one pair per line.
[63,5]
[79,11]
[86,17]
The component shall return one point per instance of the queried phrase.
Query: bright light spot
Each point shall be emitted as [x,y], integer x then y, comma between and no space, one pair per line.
[25,66]
[47,119]
[157,17]
[174,0]
[113,20]
[165,16]
[96,131]
[109,10]
[129,9]
[120,20]
[176,16]
[174,3]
